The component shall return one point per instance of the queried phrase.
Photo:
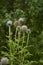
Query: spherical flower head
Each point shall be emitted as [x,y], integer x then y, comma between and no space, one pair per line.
[28,31]
[24,28]
[16,23]
[21,20]
[18,28]
[4,60]
[9,23]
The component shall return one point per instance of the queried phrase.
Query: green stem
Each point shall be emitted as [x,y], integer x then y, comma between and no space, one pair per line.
[23,38]
[9,32]
[18,37]
[11,59]
[15,35]
[11,63]
[27,39]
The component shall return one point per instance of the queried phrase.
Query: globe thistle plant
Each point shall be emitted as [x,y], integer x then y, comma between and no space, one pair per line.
[10,44]
[4,60]
[16,48]
[24,30]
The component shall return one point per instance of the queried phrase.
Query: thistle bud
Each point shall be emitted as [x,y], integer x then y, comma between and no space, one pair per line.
[9,23]
[18,28]
[28,30]
[24,28]
[4,60]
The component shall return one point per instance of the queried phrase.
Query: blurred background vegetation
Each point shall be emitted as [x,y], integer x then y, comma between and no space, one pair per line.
[32,11]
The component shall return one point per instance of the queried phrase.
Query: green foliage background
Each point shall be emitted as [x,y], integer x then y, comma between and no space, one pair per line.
[32,11]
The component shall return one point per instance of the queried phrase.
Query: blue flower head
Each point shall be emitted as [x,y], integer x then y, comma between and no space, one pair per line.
[21,20]
[9,23]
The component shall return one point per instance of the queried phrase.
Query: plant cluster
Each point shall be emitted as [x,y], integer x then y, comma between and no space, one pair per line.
[18,44]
